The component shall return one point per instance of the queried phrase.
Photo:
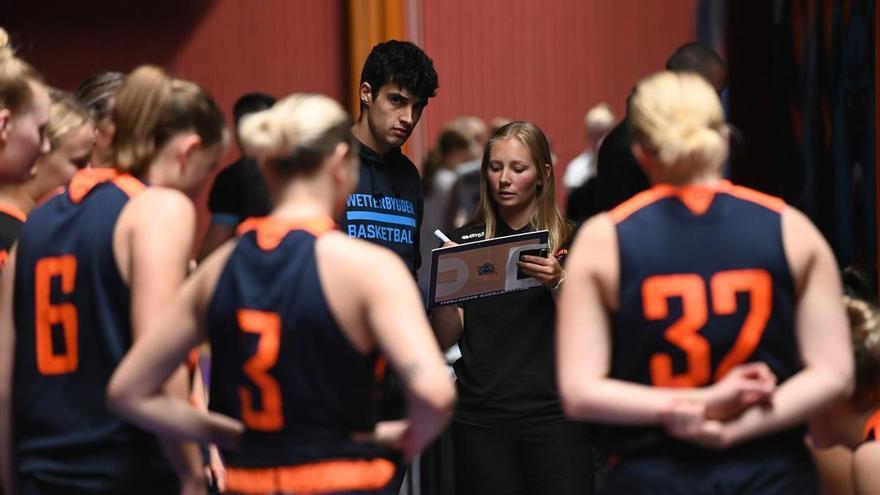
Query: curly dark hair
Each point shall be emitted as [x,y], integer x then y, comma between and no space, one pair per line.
[251,103]
[402,63]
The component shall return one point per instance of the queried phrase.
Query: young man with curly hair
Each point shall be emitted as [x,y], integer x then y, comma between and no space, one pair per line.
[386,207]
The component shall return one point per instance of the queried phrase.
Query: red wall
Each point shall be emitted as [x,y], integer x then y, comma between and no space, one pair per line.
[547,62]
[542,61]
[230,47]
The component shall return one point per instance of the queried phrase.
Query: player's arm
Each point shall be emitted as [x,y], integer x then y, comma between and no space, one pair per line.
[218,233]
[822,335]
[136,389]
[160,232]
[447,321]
[866,476]
[7,352]
[584,345]
[448,324]
[392,306]
[223,201]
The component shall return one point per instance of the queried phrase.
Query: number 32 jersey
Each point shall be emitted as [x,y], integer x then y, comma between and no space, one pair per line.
[704,286]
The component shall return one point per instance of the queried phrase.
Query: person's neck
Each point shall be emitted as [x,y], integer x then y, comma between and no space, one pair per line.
[516,218]
[162,173]
[101,159]
[707,178]
[361,130]
[17,196]
[305,199]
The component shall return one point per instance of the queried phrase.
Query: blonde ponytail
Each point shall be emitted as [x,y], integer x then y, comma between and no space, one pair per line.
[143,99]
[15,78]
[151,108]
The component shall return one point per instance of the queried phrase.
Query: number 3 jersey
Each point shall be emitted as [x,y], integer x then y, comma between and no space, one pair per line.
[704,286]
[73,326]
[282,365]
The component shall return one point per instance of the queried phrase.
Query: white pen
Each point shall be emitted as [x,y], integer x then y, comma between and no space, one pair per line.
[440,235]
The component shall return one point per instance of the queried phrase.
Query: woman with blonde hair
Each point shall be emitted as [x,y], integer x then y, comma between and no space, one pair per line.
[509,432]
[71,134]
[296,314]
[92,270]
[24,111]
[684,307]
[855,423]
[98,95]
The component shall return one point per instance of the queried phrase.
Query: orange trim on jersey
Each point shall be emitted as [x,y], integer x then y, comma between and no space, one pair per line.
[271,230]
[765,200]
[696,197]
[379,369]
[86,179]
[645,198]
[872,428]
[192,359]
[318,477]
[13,211]
[129,185]
[4,255]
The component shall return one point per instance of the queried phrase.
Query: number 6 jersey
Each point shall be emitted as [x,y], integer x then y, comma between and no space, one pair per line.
[72,327]
[704,286]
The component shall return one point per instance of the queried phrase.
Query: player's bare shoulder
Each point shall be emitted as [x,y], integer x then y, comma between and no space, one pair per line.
[865,474]
[804,244]
[162,202]
[358,258]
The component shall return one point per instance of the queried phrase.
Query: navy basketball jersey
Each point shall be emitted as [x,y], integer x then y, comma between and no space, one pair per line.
[872,428]
[282,365]
[704,286]
[73,326]
[11,220]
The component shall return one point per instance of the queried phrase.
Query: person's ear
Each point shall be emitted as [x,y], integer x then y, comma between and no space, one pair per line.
[638,152]
[647,161]
[5,124]
[548,173]
[366,93]
[338,163]
[186,148]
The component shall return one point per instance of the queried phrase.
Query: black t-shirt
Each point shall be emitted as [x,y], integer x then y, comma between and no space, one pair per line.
[618,174]
[239,192]
[507,373]
[386,207]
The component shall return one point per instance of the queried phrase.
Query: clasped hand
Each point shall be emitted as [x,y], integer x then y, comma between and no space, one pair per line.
[706,421]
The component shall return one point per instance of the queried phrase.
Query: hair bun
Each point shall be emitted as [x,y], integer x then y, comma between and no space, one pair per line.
[6,51]
[261,135]
[293,122]
[680,117]
[680,143]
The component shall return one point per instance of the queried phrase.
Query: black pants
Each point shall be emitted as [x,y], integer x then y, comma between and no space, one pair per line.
[700,472]
[546,460]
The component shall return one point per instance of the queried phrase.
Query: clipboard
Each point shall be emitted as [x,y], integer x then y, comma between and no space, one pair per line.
[482,269]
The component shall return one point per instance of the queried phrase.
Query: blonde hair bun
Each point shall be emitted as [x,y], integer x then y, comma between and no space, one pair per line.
[293,122]
[679,117]
[5,49]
